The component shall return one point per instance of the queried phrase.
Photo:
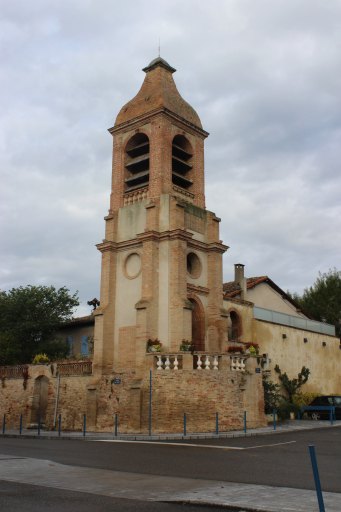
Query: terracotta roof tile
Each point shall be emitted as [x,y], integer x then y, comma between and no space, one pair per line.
[231,289]
[158,91]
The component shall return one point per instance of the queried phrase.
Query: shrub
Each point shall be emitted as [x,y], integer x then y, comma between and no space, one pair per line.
[40,359]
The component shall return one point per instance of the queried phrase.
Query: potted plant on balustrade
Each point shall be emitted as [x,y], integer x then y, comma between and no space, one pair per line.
[235,350]
[154,345]
[252,348]
[186,346]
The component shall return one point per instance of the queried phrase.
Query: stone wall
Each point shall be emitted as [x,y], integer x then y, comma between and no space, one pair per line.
[19,396]
[293,348]
[198,393]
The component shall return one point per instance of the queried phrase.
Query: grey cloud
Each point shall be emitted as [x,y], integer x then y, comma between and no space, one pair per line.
[265,79]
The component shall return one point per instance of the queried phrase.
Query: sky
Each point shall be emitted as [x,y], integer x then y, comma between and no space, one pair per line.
[264,77]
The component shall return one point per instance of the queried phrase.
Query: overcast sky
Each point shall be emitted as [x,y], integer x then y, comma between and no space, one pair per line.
[265,79]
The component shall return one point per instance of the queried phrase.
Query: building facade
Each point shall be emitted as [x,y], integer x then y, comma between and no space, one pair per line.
[164,340]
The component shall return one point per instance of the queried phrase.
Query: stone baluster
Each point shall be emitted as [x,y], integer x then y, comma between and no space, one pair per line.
[199,362]
[159,363]
[234,362]
[207,363]
[175,363]
[167,363]
[215,362]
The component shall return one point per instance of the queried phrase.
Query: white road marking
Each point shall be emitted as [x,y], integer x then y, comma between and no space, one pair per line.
[192,445]
[266,445]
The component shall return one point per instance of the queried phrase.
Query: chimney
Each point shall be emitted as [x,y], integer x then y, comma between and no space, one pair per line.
[240,279]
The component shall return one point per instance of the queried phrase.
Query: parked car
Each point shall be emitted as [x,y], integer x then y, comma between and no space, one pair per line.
[334,400]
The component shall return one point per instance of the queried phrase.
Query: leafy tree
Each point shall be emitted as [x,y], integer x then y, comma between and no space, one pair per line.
[29,319]
[323,300]
[272,396]
[292,386]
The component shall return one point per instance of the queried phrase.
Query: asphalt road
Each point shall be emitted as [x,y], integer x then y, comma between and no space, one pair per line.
[277,460]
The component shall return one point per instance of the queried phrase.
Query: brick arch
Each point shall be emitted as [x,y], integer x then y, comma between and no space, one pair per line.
[235,327]
[198,324]
[135,135]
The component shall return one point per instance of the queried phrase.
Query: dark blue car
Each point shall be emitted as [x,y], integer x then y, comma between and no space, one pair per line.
[334,400]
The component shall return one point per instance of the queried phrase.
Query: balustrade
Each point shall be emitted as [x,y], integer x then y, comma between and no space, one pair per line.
[168,362]
[18,371]
[199,361]
[238,363]
[75,368]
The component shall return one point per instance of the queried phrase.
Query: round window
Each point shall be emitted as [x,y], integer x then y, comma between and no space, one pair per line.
[132,265]
[193,265]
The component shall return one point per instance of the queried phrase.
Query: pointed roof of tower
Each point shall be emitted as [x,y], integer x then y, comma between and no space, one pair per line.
[158,91]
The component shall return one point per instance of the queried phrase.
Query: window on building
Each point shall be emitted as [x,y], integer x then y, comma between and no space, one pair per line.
[182,156]
[85,345]
[234,326]
[137,162]
[69,341]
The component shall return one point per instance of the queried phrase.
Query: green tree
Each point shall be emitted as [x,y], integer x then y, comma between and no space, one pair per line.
[29,319]
[292,386]
[323,299]
[272,396]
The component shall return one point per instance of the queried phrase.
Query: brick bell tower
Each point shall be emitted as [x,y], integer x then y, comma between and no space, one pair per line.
[161,256]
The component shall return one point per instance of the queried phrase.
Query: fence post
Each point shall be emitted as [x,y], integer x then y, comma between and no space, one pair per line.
[217,423]
[84,425]
[150,401]
[316,478]
[185,424]
[116,424]
[4,424]
[331,415]
[59,424]
[245,422]
[20,424]
[39,425]
[274,417]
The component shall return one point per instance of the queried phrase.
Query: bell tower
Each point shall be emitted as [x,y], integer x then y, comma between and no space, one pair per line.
[161,256]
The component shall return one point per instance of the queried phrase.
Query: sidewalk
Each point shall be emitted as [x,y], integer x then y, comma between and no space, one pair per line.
[163,489]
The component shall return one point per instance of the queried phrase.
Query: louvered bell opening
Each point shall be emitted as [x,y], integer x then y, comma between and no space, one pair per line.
[181,162]
[137,162]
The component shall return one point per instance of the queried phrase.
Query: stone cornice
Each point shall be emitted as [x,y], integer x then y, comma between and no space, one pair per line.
[176,234]
[156,236]
[200,290]
[110,246]
[208,247]
[128,125]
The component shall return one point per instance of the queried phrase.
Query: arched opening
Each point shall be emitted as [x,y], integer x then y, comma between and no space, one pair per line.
[198,326]
[234,326]
[137,162]
[182,162]
[40,400]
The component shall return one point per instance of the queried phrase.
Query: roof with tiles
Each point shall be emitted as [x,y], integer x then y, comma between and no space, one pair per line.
[231,289]
[158,91]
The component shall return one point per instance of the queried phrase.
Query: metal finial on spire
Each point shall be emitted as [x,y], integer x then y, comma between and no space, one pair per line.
[159,47]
